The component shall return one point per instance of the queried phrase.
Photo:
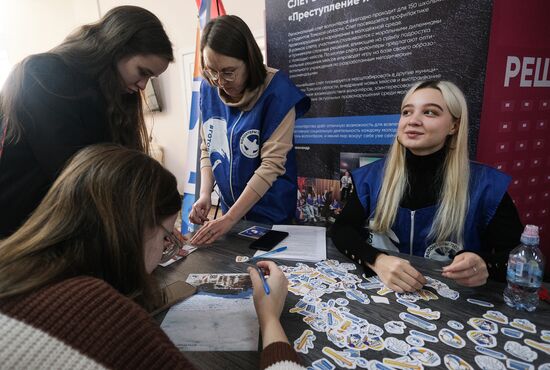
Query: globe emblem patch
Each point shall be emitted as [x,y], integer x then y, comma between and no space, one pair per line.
[249,143]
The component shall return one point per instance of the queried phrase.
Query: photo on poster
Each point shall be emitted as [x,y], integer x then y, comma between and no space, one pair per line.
[348,163]
[318,201]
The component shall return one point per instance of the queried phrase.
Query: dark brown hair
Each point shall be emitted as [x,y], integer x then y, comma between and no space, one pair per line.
[230,36]
[92,222]
[95,50]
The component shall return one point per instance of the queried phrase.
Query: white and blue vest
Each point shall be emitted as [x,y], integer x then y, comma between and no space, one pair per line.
[410,231]
[234,139]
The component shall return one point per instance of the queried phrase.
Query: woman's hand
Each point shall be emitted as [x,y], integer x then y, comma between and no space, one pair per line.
[213,230]
[269,306]
[467,269]
[199,211]
[398,274]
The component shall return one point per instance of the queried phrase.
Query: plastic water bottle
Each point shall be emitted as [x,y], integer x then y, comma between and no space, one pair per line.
[525,270]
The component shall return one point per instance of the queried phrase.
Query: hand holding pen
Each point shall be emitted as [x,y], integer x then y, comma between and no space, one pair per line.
[269,299]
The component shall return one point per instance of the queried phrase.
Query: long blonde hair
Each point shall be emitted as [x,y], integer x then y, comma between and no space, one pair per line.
[453,199]
[92,223]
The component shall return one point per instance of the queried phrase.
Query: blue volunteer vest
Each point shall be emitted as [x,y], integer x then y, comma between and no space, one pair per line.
[487,187]
[234,139]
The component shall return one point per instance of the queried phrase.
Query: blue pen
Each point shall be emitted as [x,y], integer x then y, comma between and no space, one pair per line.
[280,249]
[266,287]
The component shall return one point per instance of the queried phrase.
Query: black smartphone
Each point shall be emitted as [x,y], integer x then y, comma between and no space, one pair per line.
[268,240]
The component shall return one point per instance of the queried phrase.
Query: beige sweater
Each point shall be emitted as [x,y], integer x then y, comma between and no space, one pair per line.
[273,151]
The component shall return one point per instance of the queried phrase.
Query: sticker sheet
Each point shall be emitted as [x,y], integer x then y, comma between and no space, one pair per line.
[406,338]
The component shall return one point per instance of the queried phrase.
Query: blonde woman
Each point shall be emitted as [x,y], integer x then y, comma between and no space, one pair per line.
[427,199]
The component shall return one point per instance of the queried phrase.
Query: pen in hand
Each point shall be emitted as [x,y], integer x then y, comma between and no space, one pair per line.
[266,287]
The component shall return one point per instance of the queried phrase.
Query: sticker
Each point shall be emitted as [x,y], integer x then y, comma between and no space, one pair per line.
[522,352]
[340,357]
[375,343]
[417,321]
[444,251]
[377,365]
[404,362]
[425,356]
[356,356]
[423,336]
[545,335]
[425,313]
[486,326]
[454,362]
[513,333]
[492,353]
[397,346]
[518,365]
[385,290]
[427,295]
[305,342]
[449,293]
[479,302]
[407,303]
[395,327]
[253,232]
[455,325]
[489,363]
[537,345]
[525,325]
[348,266]
[358,296]
[451,338]
[482,339]
[496,316]
[322,364]
[242,259]
[374,331]
[342,302]
[414,341]
[378,299]
[408,296]
[369,286]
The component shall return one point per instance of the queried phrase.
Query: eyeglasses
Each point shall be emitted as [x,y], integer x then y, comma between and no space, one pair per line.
[228,76]
[172,245]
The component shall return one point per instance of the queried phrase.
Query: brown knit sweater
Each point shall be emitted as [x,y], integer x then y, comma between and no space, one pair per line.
[91,317]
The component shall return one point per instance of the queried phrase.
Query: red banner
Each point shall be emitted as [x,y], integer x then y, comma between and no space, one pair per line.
[515,123]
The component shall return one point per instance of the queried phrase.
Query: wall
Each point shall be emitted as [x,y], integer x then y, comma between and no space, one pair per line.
[33,26]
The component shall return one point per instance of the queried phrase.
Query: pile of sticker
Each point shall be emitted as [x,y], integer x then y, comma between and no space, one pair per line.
[353,334]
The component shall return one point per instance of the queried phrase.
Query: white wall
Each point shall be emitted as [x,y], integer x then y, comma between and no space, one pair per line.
[32,26]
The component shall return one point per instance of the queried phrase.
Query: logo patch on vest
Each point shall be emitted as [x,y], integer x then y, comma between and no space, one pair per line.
[442,251]
[249,143]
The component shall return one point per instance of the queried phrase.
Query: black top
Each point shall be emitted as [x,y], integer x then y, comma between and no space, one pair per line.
[62,111]
[501,235]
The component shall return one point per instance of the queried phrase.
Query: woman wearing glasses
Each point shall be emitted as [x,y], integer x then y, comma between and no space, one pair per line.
[248,115]
[84,91]
[68,274]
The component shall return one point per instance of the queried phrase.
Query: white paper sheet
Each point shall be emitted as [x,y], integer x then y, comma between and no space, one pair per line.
[305,243]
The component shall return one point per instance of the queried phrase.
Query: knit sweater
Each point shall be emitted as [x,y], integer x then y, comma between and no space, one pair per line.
[83,322]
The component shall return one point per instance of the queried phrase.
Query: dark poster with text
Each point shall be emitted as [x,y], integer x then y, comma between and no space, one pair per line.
[355,60]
